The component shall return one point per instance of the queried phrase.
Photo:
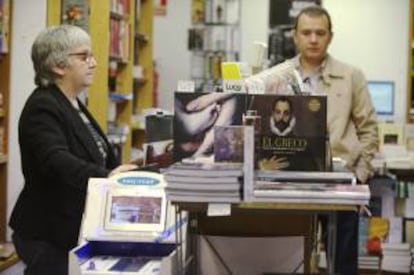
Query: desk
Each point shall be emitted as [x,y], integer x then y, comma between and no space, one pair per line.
[254,214]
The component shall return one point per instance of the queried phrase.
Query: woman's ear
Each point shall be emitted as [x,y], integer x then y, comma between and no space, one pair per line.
[60,71]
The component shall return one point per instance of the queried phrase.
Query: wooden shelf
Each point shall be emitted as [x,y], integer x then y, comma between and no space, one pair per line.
[5,61]
[3,158]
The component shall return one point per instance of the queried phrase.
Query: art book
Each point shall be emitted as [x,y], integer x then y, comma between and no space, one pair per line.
[158,145]
[293,132]
[290,131]
[195,117]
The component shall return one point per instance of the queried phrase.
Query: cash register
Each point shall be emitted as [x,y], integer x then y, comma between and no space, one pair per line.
[128,228]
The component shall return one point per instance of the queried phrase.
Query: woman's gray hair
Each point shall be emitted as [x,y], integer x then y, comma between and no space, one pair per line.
[51,49]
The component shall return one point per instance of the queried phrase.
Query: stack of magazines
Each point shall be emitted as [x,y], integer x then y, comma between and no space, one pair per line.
[309,187]
[204,182]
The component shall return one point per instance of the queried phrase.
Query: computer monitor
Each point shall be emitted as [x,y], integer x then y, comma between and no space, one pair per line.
[382,94]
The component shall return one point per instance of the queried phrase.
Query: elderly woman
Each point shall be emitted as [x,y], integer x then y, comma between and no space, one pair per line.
[61,147]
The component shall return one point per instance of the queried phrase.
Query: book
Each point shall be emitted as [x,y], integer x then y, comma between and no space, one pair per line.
[200,180]
[391,133]
[307,177]
[293,132]
[181,197]
[363,226]
[196,115]
[197,11]
[409,231]
[203,186]
[314,193]
[213,170]
[158,144]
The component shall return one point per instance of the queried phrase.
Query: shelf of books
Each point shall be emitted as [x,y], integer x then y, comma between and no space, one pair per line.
[5,34]
[213,38]
[122,84]
[143,74]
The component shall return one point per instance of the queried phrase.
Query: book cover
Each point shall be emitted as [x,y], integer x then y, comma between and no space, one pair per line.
[293,132]
[196,115]
[158,145]
[76,12]
[290,135]
[228,143]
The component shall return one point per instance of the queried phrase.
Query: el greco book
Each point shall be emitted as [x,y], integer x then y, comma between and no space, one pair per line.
[292,133]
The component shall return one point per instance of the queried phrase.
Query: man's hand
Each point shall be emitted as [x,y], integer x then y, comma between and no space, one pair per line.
[273,163]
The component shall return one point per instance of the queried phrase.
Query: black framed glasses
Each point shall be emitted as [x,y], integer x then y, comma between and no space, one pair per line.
[85,56]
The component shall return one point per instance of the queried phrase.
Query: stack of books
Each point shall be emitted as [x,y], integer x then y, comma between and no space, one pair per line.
[396,257]
[204,182]
[412,259]
[369,262]
[309,187]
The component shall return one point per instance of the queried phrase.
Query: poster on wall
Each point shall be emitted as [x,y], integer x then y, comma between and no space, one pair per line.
[160,7]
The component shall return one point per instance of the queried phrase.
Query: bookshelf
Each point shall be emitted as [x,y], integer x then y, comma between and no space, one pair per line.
[143,76]
[410,76]
[213,38]
[5,51]
[117,94]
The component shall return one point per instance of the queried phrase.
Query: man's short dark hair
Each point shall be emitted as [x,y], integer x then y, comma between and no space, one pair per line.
[314,11]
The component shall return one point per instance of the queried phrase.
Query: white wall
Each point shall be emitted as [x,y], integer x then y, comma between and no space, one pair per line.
[25,25]
[170,49]
[373,35]
[254,25]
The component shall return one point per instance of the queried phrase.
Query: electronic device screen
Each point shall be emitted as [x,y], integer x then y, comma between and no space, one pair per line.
[129,211]
[382,94]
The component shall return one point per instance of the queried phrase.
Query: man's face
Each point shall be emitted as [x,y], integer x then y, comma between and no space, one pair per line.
[281,112]
[312,37]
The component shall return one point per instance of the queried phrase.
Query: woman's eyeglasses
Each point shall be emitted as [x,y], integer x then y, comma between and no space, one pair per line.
[85,56]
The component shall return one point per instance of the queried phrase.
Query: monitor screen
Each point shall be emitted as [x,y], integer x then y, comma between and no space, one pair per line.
[382,94]
[128,210]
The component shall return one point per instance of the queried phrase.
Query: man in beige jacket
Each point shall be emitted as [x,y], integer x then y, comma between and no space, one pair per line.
[352,125]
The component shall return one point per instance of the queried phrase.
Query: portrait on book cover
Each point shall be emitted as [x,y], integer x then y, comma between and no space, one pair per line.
[228,143]
[293,132]
[196,115]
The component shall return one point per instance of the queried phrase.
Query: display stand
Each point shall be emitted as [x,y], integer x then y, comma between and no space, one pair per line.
[247,219]
[128,228]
